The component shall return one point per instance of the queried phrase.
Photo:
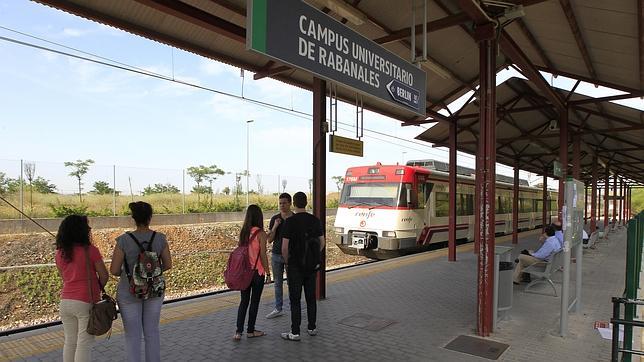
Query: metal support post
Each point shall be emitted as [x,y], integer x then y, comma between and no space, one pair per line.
[563,156]
[319,171]
[22,189]
[452,192]
[183,191]
[621,201]
[485,191]
[606,192]
[593,197]
[585,203]
[576,157]
[114,190]
[614,200]
[544,198]
[515,204]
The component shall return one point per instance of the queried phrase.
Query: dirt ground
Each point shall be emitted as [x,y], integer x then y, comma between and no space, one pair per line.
[29,296]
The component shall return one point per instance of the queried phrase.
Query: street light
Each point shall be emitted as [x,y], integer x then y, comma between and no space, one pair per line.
[248,160]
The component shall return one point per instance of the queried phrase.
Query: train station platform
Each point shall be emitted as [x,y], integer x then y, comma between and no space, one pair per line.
[407,308]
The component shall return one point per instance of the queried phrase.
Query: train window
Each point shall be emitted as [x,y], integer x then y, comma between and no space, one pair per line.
[421,196]
[402,199]
[442,204]
[525,205]
[538,205]
[370,194]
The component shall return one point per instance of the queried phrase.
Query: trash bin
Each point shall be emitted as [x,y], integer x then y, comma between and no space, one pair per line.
[505,285]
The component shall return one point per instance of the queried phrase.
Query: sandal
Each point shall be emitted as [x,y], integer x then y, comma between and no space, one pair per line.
[255,334]
[237,337]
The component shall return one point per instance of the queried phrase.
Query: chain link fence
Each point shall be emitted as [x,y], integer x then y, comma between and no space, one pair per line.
[50,189]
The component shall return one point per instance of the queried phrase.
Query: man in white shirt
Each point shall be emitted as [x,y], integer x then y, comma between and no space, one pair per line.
[545,252]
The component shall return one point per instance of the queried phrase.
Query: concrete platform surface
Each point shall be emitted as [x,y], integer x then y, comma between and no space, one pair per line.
[422,302]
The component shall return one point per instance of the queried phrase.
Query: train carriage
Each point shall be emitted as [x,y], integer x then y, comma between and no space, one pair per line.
[391,210]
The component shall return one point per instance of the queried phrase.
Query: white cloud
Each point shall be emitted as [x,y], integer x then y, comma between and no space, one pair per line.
[215,68]
[74,33]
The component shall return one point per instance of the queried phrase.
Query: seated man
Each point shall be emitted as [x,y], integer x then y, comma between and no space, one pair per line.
[559,232]
[549,247]
[584,236]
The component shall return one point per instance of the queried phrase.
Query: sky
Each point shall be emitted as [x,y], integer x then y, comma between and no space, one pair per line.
[142,130]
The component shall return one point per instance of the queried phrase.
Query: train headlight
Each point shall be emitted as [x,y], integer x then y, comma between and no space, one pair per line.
[389,234]
[339,230]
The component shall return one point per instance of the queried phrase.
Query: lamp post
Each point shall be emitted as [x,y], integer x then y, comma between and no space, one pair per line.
[248,160]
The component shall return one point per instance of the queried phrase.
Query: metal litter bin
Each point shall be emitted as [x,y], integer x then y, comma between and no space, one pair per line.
[505,285]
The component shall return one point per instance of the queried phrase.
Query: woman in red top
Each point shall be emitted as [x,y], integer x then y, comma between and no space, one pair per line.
[72,243]
[253,235]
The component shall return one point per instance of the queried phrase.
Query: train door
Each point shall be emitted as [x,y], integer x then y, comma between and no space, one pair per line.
[423,191]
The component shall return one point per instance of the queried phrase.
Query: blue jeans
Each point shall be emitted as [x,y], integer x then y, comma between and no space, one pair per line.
[277,263]
[142,318]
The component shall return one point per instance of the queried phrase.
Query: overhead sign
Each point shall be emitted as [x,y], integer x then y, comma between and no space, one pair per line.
[556,168]
[347,146]
[298,34]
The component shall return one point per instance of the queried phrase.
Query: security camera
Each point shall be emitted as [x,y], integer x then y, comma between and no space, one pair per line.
[554,125]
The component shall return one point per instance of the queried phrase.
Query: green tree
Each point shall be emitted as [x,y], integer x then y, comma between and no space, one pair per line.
[203,173]
[4,183]
[339,181]
[43,186]
[226,191]
[161,189]
[79,169]
[102,188]
[13,185]
[637,201]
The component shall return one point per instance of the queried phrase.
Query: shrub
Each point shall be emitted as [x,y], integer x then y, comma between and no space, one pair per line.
[66,210]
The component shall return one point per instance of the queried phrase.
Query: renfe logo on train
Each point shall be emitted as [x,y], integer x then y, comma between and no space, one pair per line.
[298,34]
[390,210]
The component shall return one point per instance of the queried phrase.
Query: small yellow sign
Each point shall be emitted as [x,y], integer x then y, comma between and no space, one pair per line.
[347,146]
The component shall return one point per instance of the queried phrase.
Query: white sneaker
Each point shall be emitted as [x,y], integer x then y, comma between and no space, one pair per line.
[274,313]
[312,332]
[290,336]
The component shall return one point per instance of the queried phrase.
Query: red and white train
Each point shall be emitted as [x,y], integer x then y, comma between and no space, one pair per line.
[391,210]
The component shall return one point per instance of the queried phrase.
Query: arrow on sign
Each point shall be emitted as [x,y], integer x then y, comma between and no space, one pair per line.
[404,94]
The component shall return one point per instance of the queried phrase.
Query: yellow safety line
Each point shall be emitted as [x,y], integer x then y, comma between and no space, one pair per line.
[54,340]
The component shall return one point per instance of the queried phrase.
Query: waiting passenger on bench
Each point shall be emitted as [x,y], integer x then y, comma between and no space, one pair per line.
[558,232]
[527,258]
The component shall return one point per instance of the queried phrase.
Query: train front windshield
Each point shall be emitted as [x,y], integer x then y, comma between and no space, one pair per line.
[372,194]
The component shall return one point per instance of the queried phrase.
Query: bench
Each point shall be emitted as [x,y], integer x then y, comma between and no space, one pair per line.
[592,240]
[542,272]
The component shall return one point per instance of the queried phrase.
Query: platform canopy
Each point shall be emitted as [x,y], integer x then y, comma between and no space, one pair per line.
[596,41]
[528,131]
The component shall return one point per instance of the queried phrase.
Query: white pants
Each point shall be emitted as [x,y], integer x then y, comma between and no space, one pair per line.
[78,344]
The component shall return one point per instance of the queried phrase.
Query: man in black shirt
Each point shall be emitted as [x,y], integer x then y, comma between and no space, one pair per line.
[277,262]
[293,237]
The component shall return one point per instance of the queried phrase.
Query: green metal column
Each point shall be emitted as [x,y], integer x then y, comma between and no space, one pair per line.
[635,242]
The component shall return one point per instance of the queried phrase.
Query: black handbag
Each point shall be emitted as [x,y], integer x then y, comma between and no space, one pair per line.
[102,313]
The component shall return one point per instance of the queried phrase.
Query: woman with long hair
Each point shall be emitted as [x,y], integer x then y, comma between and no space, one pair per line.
[252,235]
[140,313]
[75,255]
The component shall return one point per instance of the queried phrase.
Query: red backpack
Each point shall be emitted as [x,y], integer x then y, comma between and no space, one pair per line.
[239,274]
